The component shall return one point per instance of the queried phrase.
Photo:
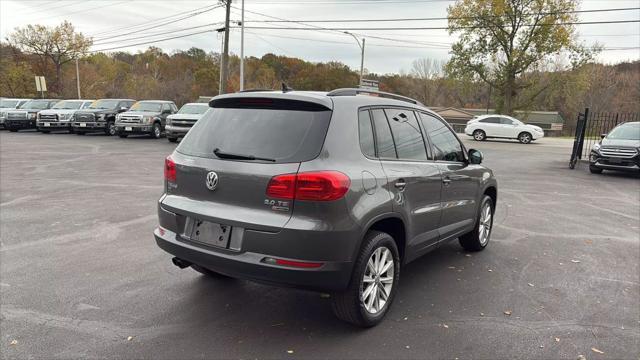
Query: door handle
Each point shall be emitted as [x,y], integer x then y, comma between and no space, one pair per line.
[446,181]
[400,184]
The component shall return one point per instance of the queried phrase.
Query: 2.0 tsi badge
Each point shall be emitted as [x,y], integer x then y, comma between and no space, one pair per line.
[212,180]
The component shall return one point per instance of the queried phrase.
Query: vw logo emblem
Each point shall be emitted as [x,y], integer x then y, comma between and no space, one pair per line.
[212,180]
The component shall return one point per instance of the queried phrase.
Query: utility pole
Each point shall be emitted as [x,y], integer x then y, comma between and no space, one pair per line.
[225,54]
[78,78]
[221,51]
[242,48]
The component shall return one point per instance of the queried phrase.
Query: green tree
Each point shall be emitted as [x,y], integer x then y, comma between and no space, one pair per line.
[500,40]
[59,45]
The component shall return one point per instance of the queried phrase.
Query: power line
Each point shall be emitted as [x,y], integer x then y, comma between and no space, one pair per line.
[156,25]
[437,28]
[102,33]
[153,41]
[164,32]
[437,18]
[85,10]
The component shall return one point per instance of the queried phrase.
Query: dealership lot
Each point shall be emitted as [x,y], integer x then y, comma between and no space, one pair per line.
[81,276]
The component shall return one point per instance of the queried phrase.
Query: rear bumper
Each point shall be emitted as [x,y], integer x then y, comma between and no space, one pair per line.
[537,135]
[250,265]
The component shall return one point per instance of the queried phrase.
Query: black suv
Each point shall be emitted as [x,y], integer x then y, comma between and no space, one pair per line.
[618,150]
[145,117]
[100,116]
[325,191]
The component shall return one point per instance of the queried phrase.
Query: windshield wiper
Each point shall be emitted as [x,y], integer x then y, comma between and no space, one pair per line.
[224,155]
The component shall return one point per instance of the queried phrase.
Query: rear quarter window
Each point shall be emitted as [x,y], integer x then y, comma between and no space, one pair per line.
[279,132]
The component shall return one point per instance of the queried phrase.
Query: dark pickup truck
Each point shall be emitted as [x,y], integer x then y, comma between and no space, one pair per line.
[100,116]
[145,117]
[25,117]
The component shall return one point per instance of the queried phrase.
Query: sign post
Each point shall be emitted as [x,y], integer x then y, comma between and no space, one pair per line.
[369,84]
[41,85]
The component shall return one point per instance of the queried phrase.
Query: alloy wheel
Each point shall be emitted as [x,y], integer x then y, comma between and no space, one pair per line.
[484,226]
[377,280]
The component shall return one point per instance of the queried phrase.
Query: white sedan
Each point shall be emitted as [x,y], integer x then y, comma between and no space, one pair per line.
[502,126]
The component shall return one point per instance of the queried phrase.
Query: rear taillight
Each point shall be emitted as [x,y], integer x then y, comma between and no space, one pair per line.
[169,169]
[310,186]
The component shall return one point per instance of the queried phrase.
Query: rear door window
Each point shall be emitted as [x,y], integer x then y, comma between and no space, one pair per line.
[384,140]
[505,121]
[491,120]
[406,134]
[366,134]
[285,131]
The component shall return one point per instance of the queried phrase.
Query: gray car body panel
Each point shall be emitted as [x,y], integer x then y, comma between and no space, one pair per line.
[328,232]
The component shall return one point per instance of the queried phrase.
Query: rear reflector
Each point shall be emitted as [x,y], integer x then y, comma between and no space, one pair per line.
[169,169]
[291,263]
[310,186]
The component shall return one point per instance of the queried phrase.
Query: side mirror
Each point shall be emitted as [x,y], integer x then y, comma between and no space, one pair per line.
[123,109]
[475,156]
[602,136]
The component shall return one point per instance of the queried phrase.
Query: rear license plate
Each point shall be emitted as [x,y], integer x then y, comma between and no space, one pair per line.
[207,232]
[83,125]
[128,128]
[47,124]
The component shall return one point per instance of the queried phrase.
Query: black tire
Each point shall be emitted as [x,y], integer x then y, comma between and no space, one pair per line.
[595,170]
[13,130]
[172,139]
[80,132]
[472,241]
[45,131]
[479,135]
[71,131]
[525,137]
[123,135]
[347,305]
[156,131]
[207,272]
[111,128]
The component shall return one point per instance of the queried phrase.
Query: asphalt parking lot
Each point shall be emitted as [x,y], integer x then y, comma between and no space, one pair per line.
[81,276]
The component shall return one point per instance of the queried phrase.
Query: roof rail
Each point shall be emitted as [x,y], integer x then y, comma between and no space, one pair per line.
[254,90]
[356,91]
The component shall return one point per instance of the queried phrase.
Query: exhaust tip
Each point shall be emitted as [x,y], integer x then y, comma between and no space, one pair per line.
[180,263]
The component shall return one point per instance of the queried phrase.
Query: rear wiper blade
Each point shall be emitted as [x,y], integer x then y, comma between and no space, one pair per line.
[224,155]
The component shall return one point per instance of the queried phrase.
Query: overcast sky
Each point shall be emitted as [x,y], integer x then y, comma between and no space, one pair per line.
[105,19]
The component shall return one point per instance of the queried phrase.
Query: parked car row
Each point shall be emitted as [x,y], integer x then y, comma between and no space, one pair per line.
[122,117]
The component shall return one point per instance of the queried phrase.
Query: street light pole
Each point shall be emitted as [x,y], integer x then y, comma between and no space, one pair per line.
[78,78]
[242,48]
[361,45]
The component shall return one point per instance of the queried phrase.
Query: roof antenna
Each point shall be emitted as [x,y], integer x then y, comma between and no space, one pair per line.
[285,87]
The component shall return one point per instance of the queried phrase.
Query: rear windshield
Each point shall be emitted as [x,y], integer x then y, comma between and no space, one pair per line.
[282,135]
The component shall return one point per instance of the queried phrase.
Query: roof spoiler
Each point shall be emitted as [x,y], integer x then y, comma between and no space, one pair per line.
[356,91]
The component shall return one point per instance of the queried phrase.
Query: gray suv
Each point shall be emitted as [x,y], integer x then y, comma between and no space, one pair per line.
[325,191]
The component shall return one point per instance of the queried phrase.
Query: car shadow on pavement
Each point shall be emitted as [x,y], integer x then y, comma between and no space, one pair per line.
[221,304]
